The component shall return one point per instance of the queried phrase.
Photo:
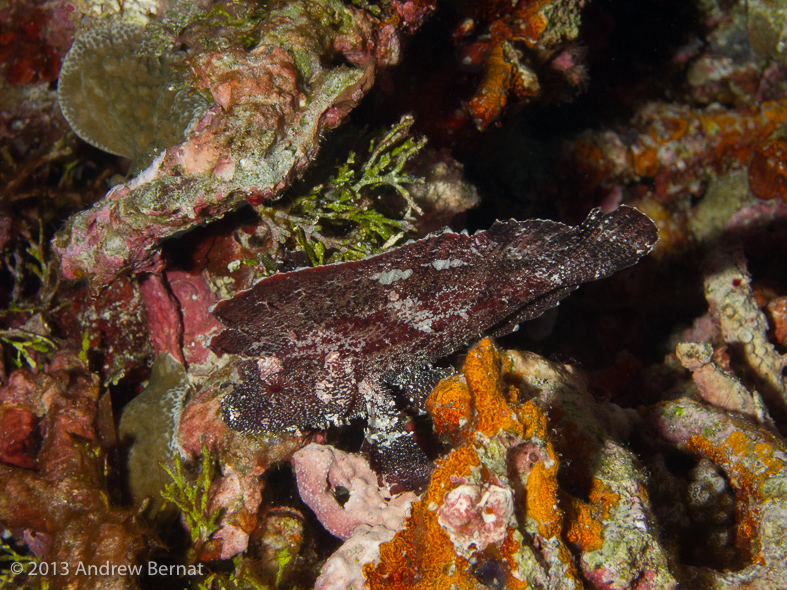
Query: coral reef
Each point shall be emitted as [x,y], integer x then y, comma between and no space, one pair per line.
[712,380]
[753,461]
[542,28]
[766,23]
[744,327]
[261,131]
[222,357]
[505,453]
[679,146]
[231,500]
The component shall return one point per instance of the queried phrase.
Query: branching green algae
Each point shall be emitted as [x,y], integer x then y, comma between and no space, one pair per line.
[345,203]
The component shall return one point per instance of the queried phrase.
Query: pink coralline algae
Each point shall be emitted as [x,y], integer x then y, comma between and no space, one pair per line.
[195,298]
[331,353]
[343,570]
[369,516]
[179,321]
[322,471]
[476,516]
[237,496]
[165,322]
[262,131]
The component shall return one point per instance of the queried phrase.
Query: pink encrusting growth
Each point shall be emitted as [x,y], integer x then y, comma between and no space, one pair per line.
[367,516]
[476,516]
[259,133]
[322,471]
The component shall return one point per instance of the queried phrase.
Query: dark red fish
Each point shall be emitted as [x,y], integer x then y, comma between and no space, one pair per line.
[324,344]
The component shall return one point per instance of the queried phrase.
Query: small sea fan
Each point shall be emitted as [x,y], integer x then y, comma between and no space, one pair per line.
[123,98]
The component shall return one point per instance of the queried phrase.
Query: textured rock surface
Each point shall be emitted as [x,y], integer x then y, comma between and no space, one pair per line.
[676,107]
[755,462]
[272,104]
[745,327]
[63,505]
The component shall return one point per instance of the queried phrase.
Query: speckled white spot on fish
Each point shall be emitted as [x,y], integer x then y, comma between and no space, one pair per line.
[391,276]
[446,264]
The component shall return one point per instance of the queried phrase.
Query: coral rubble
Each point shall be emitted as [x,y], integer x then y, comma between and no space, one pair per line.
[744,326]
[677,145]
[55,492]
